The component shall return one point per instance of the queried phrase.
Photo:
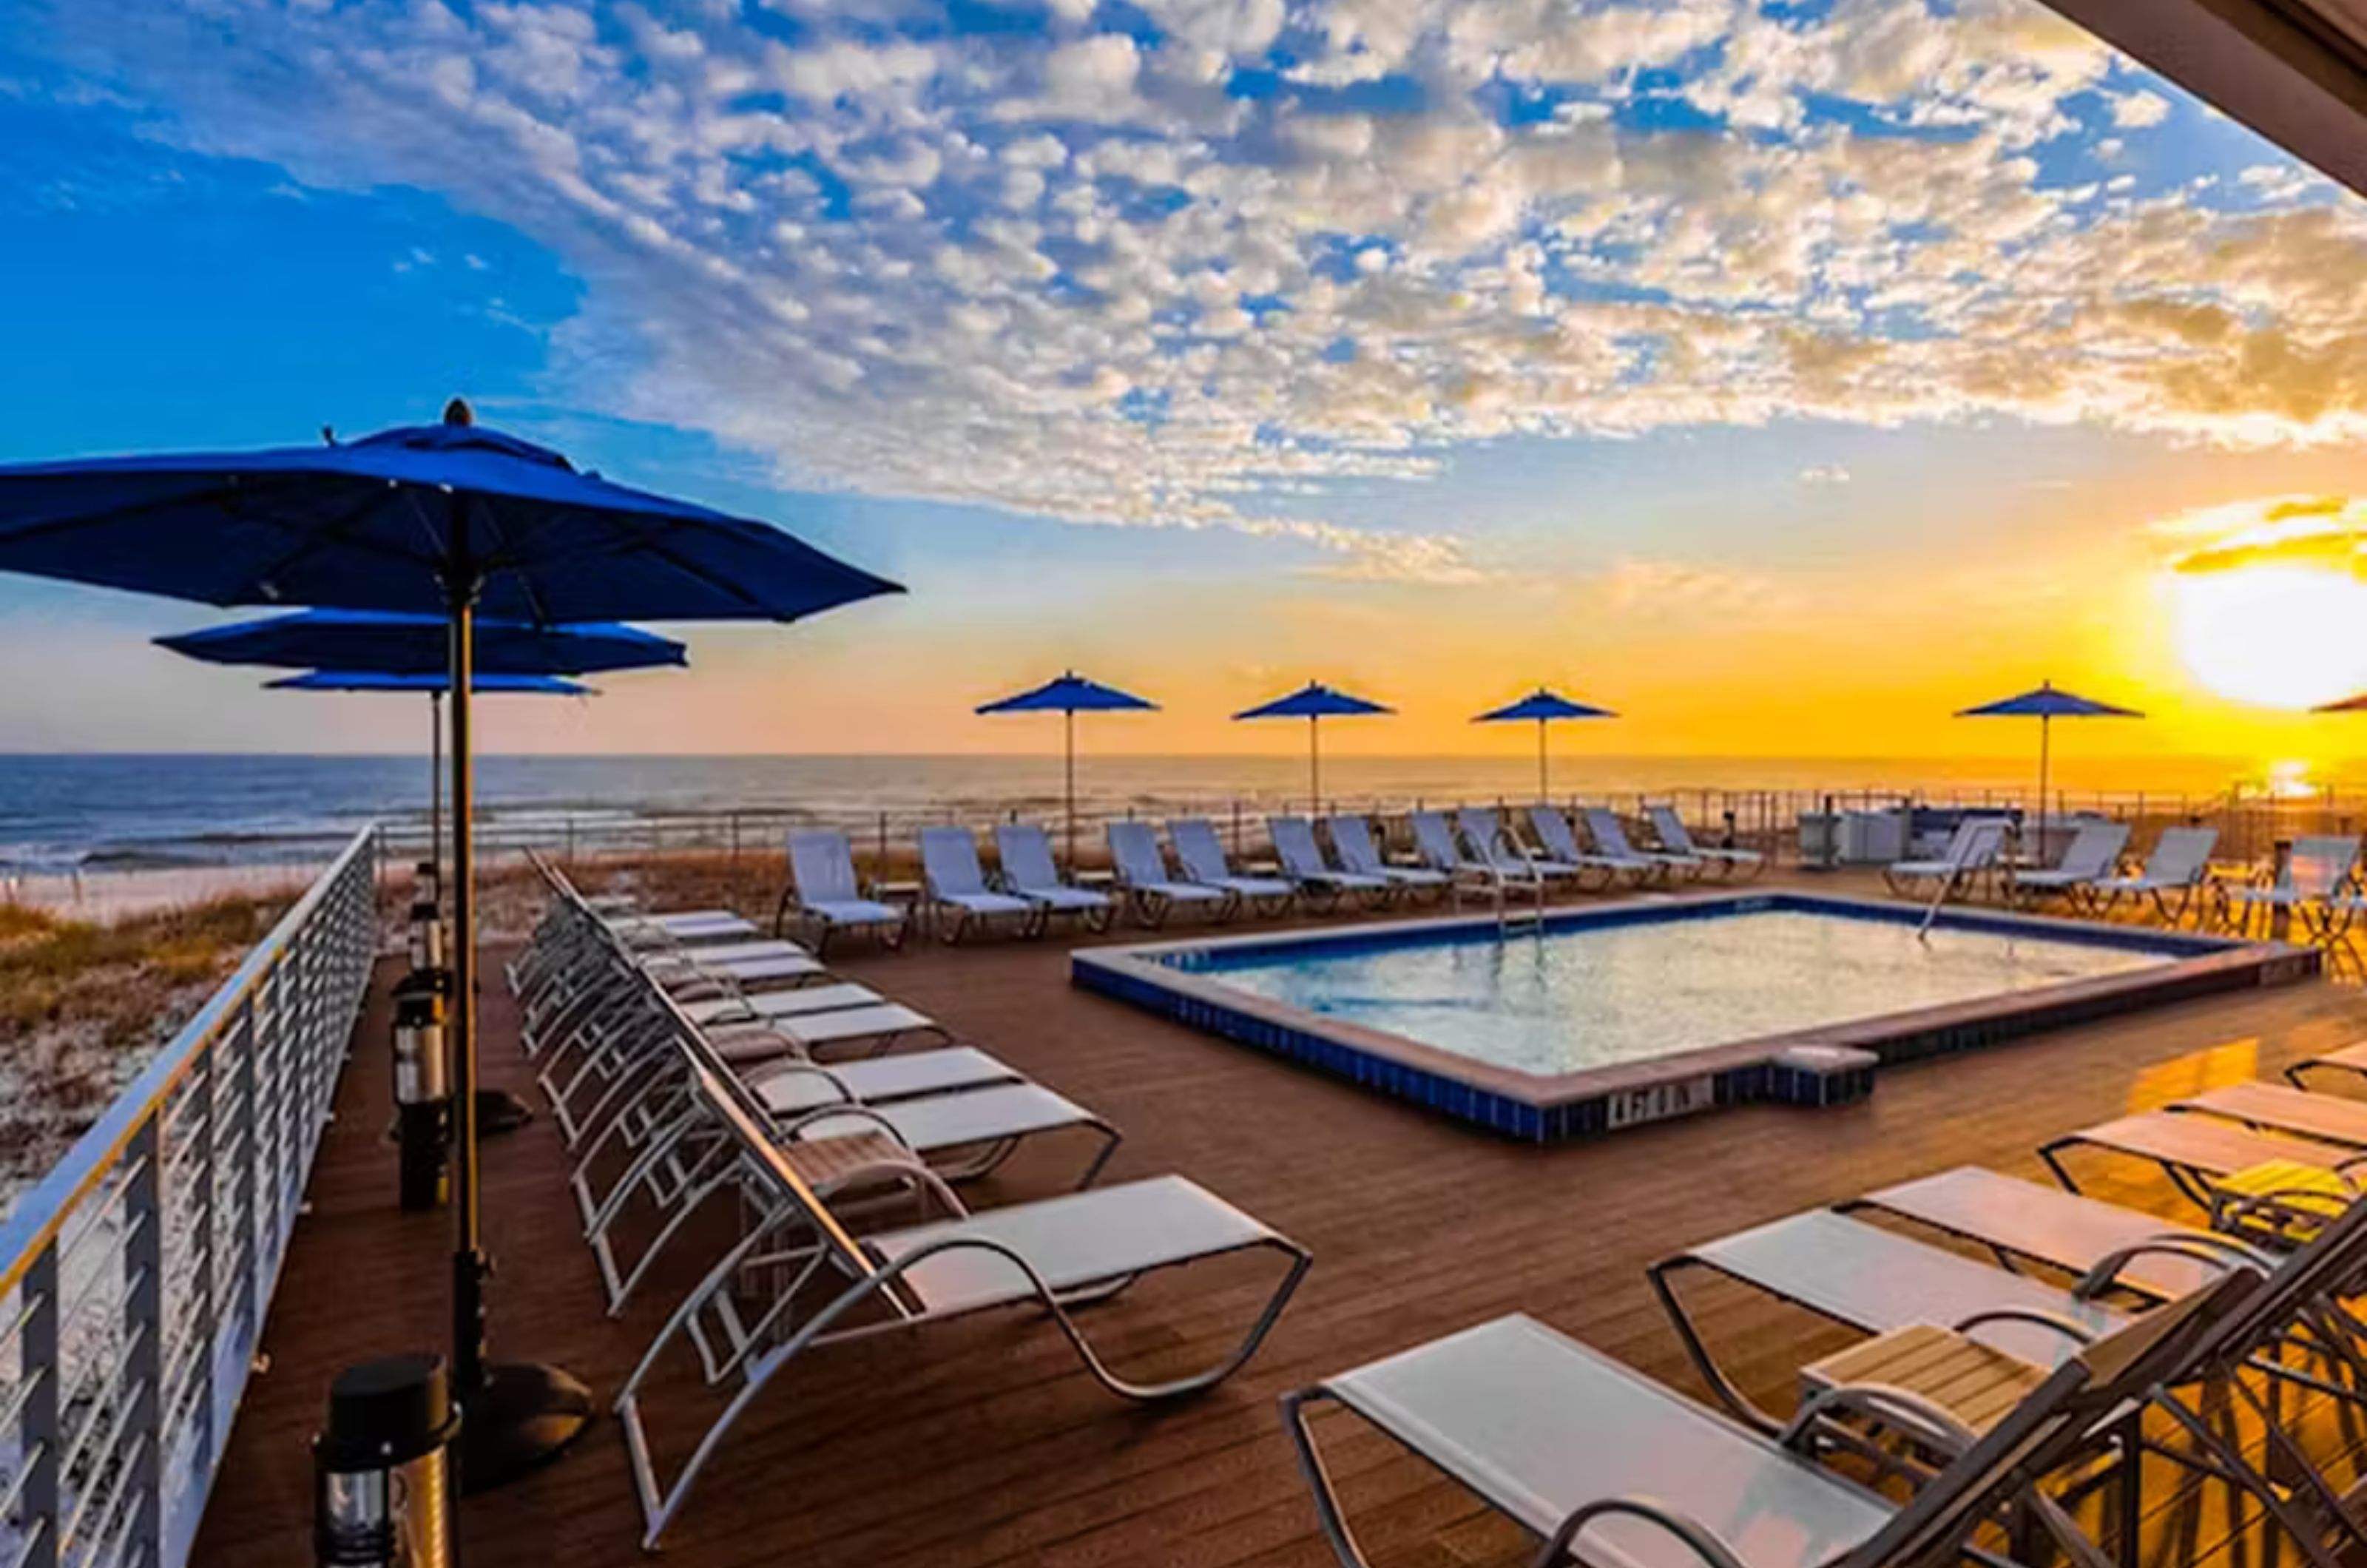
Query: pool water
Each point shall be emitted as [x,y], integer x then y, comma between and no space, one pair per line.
[1595,995]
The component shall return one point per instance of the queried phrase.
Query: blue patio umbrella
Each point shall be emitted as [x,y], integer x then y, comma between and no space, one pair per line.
[383,642]
[1314,703]
[1069,696]
[2046,704]
[360,644]
[449,520]
[486,683]
[1541,707]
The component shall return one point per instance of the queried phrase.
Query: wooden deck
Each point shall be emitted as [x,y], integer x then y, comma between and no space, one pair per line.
[983,1443]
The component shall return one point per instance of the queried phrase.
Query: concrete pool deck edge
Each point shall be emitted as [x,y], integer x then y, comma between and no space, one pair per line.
[1551,1108]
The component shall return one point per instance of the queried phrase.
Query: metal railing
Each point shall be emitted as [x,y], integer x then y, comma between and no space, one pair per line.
[136,1274]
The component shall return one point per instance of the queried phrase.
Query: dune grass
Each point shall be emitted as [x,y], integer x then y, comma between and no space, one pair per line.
[83,1006]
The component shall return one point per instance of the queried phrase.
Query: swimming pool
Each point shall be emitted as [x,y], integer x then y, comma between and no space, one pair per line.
[1610,1014]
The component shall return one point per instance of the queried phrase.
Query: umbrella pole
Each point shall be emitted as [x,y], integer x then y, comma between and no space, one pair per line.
[436,789]
[1542,793]
[468,1260]
[1068,780]
[1314,769]
[519,1416]
[2045,734]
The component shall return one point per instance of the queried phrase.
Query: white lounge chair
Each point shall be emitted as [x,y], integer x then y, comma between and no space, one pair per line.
[798,1002]
[2093,854]
[1142,873]
[1972,851]
[2176,871]
[641,927]
[1486,842]
[1045,1257]
[1303,863]
[1613,1470]
[746,1036]
[2312,885]
[1671,829]
[1443,853]
[1563,855]
[1203,861]
[1561,849]
[823,892]
[1351,841]
[1024,851]
[1612,843]
[956,884]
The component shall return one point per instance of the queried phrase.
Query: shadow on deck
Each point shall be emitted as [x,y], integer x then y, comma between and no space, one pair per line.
[983,1443]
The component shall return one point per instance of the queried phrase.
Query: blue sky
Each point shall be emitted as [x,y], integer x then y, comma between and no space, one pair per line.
[1683,320]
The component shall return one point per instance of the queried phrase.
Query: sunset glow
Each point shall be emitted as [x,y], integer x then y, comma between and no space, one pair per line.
[1784,376]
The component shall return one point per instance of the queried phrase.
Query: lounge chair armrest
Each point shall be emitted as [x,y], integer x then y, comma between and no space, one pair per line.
[1688,1532]
[1930,1422]
[2222,1253]
[2079,1333]
[2277,1208]
[792,1068]
[796,1124]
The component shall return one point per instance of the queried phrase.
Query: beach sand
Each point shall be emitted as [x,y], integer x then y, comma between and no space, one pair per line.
[106,898]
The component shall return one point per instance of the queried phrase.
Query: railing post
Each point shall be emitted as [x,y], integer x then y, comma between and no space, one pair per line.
[247,1090]
[207,1335]
[144,1340]
[37,1424]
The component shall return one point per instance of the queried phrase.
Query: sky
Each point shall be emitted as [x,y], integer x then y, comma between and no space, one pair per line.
[1784,373]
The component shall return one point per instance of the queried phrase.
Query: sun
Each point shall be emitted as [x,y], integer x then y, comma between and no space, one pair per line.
[2280,633]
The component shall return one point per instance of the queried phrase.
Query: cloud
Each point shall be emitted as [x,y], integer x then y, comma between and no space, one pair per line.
[1194,271]
[2138,111]
[2326,532]
[1824,474]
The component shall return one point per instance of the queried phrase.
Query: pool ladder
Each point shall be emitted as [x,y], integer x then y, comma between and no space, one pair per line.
[1508,916]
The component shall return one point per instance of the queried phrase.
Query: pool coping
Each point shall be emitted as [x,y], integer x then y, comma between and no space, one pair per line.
[1548,1108]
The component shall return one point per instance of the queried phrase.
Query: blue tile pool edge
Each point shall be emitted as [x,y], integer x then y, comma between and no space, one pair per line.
[1582,1104]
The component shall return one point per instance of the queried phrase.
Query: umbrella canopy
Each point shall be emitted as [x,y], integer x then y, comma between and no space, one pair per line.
[1069,696]
[1071,692]
[452,520]
[389,651]
[1541,707]
[467,509]
[2046,704]
[387,642]
[1314,701]
[486,683]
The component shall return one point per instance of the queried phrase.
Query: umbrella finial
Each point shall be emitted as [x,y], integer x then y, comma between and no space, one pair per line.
[458,412]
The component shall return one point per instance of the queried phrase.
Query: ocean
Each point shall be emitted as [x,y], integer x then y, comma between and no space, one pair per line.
[127,812]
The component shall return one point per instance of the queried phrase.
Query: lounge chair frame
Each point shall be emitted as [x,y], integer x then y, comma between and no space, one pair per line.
[959,894]
[1027,871]
[1988,1476]
[824,893]
[1133,854]
[857,1276]
[1730,863]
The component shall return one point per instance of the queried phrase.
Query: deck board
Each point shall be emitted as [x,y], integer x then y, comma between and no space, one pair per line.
[984,1444]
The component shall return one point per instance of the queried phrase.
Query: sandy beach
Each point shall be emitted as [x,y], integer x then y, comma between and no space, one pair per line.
[106,898]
